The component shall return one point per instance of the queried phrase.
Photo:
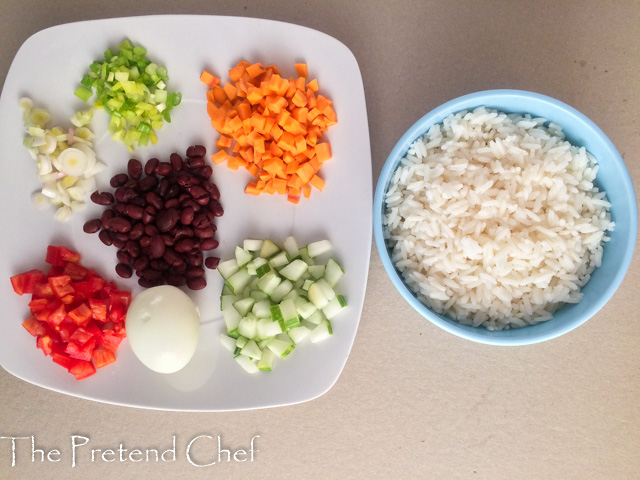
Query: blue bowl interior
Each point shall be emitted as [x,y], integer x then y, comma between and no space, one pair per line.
[612,176]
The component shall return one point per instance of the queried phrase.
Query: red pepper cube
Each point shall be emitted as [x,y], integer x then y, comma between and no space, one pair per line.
[81,369]
[81,314]
[58,256]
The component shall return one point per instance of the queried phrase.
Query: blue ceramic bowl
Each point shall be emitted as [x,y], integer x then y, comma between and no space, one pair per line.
[612,176]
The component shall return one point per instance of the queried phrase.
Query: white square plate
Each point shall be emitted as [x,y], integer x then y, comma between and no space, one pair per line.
[49,67]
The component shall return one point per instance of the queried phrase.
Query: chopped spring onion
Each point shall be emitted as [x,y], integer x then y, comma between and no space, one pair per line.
[274,299]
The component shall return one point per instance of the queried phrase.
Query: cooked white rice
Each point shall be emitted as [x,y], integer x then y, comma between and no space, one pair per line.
[494,219]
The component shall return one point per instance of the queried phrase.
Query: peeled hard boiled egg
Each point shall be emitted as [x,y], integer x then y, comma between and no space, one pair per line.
[163,328]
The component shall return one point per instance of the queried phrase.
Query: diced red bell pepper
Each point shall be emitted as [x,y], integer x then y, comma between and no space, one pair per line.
[118,304]
[58,256]
[82,369]
[44,290]
[109,340]
[80,352]
[99,309]
[81,314]
[26,282]
[65,330]
[34,326]
[80,337]
[45,343]
[56,314]
[62,359]
[103,357]
[61,285]
[39,304]
[76,271]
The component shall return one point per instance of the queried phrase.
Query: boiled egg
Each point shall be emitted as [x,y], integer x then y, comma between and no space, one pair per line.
[163,328]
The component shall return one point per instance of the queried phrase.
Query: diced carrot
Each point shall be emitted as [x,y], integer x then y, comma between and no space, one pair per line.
[299,99]
[255,70]
[305,172]
[313,85]
[236,72]
[323,151]
[231,91]
[224,142]
[252,188]
[307,191]
[209,79]
[219,157]
[302,70]
[317,182]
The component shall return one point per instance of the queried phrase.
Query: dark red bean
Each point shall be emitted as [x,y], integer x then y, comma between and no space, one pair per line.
[167,219]
[124,270]
[182,232]
[151,274]
[180,268]
[201,220]
[136,231]
[118,180]
[197,283]
[149,214]
[150,166]
[212,189]
[194,257]
[173,192]
[203,200]
[169,240]
[185,245]
[105,237]
[159,264]
[134,211]
[177,280]
[201,233]
[145,241]
[191,151]
[171,257]
[163,187]
[197,192]
[212,262]
[120,208]
[134,168]
[107,215]
[140,263]
[156,246]
[151,230]
[146,283]
[205,172]
[172,203]
[176,162]
[119,243]
[216,208]
[102,198]
[154,200]
[208,244]
[131,183]
[119,194]
[195,272]
[195,163]
[163,168]
[122,237]
[138,201]
[133,248]
[119,224]
[186,215]
[123,257]
[93,226]
[147,184]
[129,194]
[199,150]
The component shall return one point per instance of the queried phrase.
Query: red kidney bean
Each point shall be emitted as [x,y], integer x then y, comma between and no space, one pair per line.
[159,264]
[147,184]
[156,246]
[119,194]
[133,248]
[124,270]
[197,191]
[186,216]
[119,243]
[201,233]
[169,240]
[151,230]
[205,172]
[105,237]
[176,280]
[166,219]
[216,208]
[120,208]
[138,201]
[134,168]
[171,203]
[107,215]
[212,262]
[146,283]
[136,231]
[102,198]
[201,220]
[199,150]
[123,257]
[195,163]
[145,241]
[181,268]
[183,232]
[176,162]
[119,224]
[194,258]
[129,194]
[131,183]
[185,245]
[151,274]
[192,203]
[197,283]
[154,200]
[212,189]
[163,168]
[173,192]
[203,200]
[149,215]
[134,211]
[150,166]
[140,263]
[195,272]
[191,151]
[118,180]
[171,257]
[208,244]
[121,237]
[92,226]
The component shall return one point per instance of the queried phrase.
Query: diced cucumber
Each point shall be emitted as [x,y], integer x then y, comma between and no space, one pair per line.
[316,271]
[259,295]
[253,265]
[333,273]
[294,270]
[252,245]
[244,305]
[280,347]
[238,281]
[251,350]
[316,318]
[267,328]
[262,270]
[231,319]
[228,268]
[242,257]
[276,313]
[268,249]
[306,309]
[318,248]
[228,342]
[261,308]
[227,301]
[298,334]
[291,247]
[307,283]
[333,308]
[241,341]
[279,260]
[304,256]
[265,363]
[226,291]
[321,332]
[248,364]
[292,295]
[289,315]
[269,283]
[248,326]
[320,293]
[281,290]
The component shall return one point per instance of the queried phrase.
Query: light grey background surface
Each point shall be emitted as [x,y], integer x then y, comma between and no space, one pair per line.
[413,401]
